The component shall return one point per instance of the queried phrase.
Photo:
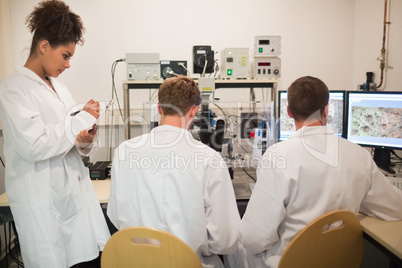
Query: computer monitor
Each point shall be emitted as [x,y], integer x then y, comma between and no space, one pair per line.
[374,118]
[286,126]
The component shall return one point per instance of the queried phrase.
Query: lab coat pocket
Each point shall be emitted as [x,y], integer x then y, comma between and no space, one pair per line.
[64,202]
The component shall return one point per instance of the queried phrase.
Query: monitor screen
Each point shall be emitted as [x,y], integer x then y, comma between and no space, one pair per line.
[374,118]
[287,127]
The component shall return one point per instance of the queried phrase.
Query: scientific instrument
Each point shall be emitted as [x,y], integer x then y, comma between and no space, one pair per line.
[171,68]
[266,68]
[234,63]
[267,46]
[143,66]
[203,60]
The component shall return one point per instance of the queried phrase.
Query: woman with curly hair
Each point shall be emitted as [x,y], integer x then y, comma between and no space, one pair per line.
[58,217]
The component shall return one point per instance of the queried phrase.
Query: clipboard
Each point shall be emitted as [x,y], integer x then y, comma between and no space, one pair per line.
[107,107]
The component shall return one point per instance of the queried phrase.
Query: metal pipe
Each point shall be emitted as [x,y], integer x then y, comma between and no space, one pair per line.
[383,50]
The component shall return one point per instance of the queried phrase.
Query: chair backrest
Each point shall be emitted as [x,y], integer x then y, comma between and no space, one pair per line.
[146,247]
[332,240]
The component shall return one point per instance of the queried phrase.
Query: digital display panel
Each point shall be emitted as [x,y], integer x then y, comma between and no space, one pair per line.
[263,42]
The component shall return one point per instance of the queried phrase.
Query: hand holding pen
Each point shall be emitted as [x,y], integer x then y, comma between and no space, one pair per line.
[92,107]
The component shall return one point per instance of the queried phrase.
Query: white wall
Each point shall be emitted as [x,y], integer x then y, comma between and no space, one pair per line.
[338,41]
[369,17]
[5,40]
[317,37]
[5,65]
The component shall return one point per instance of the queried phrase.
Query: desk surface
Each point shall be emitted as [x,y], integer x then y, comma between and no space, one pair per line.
[3,200]
[101,187]
[241,183]
[388,234]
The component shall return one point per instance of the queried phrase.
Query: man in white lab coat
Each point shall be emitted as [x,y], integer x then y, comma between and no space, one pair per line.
[312,173]
[169,181]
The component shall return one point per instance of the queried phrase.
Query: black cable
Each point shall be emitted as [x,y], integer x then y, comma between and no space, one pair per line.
[17,247]
[5,241]
[2,162]
[3,222]
[242,147]
[16,244]
[249,174]
[397,156]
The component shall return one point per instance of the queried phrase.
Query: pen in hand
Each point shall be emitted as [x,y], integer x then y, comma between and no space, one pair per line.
[75,113]
[92,107]
[108,106]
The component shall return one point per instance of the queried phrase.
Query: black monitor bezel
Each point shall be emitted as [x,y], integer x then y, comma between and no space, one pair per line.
[347,118]
[344,92]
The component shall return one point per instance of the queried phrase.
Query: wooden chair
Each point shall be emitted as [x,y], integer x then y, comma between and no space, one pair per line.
[146,247]
[318,246]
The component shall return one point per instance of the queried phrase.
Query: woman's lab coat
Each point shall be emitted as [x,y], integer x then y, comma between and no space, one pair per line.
[58,217]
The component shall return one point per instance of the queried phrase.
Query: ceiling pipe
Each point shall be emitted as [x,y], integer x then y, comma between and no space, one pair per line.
[383,50]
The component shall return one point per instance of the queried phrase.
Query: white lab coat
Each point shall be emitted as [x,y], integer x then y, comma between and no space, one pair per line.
[58,217]
[298,180]
[169,181]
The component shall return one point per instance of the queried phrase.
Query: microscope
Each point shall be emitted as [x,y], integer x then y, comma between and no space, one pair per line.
[210,128]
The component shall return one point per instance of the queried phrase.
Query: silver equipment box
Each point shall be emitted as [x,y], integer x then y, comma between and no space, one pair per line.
[267,46]
[266,68]
[143,66]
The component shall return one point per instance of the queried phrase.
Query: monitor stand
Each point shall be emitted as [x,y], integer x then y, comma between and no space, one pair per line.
[382,157]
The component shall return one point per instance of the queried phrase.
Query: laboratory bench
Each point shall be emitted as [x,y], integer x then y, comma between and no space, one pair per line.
[384,235]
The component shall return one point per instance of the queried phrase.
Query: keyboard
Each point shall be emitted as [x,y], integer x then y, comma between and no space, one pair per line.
[395,179]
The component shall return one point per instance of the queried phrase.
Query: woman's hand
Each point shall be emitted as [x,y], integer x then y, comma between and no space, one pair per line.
[85,137]
[92,107]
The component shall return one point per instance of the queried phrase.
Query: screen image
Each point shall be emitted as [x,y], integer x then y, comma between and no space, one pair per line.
[335,114]
[374,118]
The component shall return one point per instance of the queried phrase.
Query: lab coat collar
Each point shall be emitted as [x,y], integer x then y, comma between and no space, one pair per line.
[319,142]
[169,128]
[30,74]
[33,76]
[316,130]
